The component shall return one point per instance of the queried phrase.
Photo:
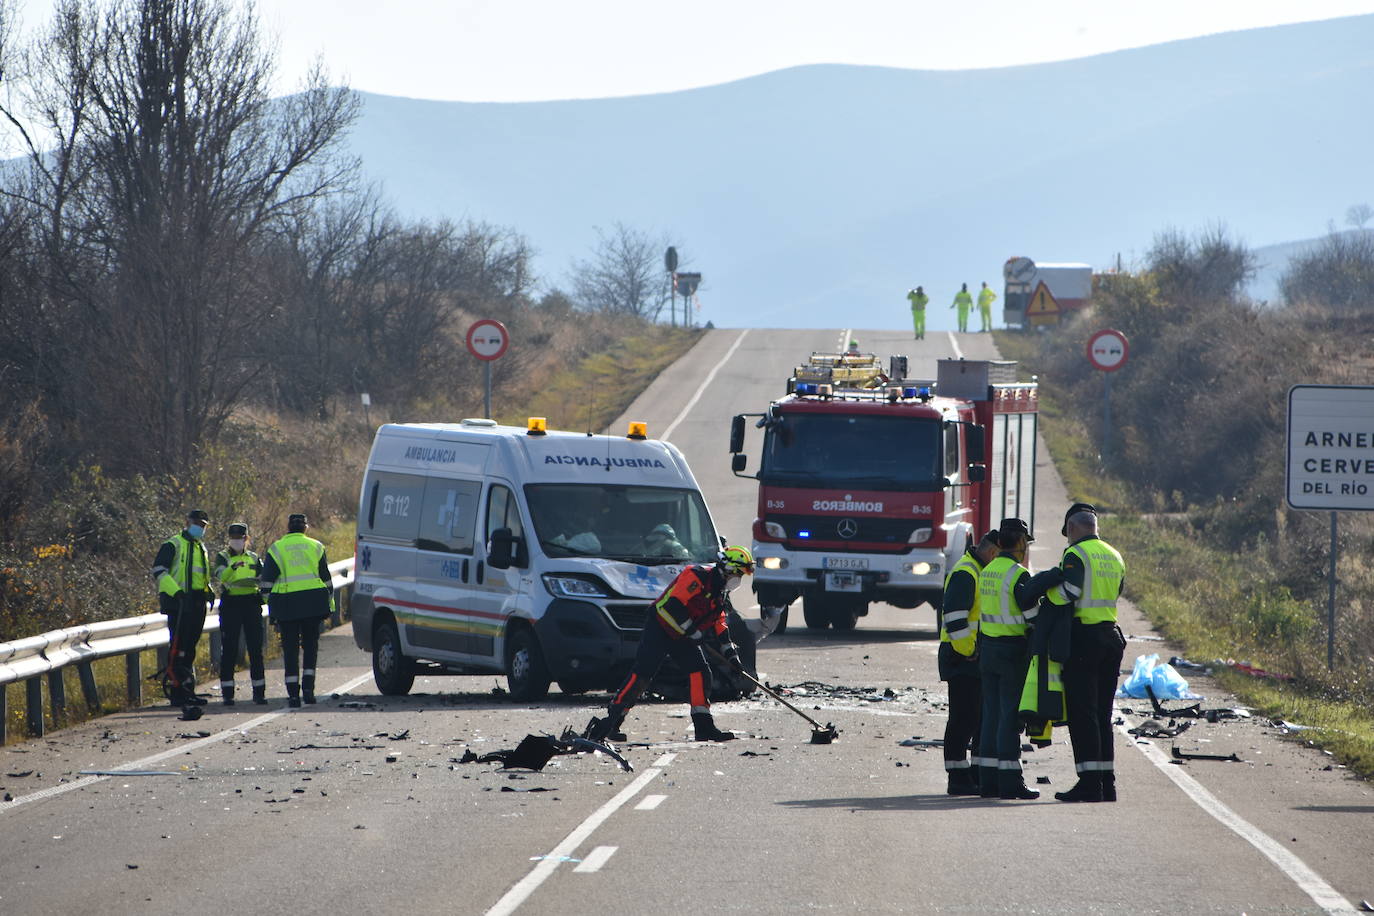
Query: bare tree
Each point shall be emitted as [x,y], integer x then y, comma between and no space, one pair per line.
[1203,269]
[1359,214]
[162,171]
[624,275]
[1338,273]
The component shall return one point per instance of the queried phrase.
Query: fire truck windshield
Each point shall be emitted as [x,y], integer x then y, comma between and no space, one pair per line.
[857,451]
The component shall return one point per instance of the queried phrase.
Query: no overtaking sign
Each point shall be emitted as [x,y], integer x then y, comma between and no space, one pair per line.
[1330,463]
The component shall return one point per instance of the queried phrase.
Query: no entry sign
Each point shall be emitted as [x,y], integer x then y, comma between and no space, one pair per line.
[488,339]
[1108,349]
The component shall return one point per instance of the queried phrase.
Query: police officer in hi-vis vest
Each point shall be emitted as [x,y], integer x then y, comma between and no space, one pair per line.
[240,611]
[181,570]
[300,595]
[958,663]
[1007,604]
[1093,576]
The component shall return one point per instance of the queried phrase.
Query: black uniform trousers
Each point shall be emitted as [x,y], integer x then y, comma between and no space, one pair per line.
[1002,661]
[654,646]
[185,622]
[965,706]
[300,647]
[241,614]
[1090,676]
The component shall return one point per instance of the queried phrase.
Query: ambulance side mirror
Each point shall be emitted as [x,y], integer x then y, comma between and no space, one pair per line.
[738,461]
[501,549]
[977,473]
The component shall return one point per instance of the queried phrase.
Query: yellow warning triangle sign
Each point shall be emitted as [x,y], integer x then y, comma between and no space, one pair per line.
[1042,302]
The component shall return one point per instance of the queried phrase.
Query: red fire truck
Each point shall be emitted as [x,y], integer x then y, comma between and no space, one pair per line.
[871,484]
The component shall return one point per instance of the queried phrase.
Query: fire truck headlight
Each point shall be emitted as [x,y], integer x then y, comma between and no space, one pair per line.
[774,530]
[773,563]
[920,569]
[919,536]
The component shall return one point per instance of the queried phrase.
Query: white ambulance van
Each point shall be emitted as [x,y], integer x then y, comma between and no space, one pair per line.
[486,549]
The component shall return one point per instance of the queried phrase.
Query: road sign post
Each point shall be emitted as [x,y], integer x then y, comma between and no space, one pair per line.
[1107,351]
[670,265]
[1330,463]
[488,340]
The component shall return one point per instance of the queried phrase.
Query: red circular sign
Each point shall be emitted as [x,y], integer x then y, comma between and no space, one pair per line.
[488,339]
[1108,349]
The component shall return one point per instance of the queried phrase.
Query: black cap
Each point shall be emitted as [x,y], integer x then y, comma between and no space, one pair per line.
[297,518]
[1011,529]
[1074,510]
[238,530]
[198,514]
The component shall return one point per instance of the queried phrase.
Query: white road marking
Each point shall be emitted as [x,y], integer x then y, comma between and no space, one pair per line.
[650,802]
[1311,883]
[843,343]
[146,762]
[710,376]
[596,858]
[540,873]
[665,760]
[954,342]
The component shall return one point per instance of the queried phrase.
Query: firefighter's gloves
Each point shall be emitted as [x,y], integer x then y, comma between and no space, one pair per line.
[731,653]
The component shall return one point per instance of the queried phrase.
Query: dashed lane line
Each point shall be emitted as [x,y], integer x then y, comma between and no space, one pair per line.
[705,383]
[596,858]
[650,802]
[954,344]
[1311,883]
[549,862]
[146,762]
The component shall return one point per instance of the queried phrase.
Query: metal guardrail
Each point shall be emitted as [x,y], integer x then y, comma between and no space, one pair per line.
[32,657]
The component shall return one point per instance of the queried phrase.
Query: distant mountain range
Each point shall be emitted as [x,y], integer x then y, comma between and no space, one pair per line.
[816,196]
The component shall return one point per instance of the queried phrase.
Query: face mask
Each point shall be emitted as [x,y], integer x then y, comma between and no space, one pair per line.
[196,531]
[237,544]
[732,582]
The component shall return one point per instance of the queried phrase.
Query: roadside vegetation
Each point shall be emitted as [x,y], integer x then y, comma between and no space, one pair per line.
[196,292]
[1192,484]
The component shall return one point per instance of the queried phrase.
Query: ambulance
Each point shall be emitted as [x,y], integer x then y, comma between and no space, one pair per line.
[487,549]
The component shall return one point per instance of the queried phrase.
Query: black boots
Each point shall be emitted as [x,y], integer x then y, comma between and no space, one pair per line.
[1087,789]
[987,782]
[260,696]
[1011,786]
[308,689]
[1108,786]
[227,694]
[962,782]
[705,728]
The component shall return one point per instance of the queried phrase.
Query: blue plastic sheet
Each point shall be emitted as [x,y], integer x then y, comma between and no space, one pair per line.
[1162,678]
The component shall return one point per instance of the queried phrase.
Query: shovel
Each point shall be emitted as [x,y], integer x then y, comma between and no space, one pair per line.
[820,734]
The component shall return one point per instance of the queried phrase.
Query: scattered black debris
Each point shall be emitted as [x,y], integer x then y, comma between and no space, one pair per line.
[131,866]
[20,774]
[298,791]
[1366,906]
[188,735]
[333,747]
[128,773]
[399,736]
[9,796]
[900,764]
[918,741]
[1151,728]
[530,789]
[468,757]
[1042,780]
[531,754]
[357,704]
[890,693]
[755,754]
[359,827]
[498,691]
[190,714]
[1184,755]
[391,758]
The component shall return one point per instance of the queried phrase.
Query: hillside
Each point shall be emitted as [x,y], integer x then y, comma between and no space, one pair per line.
[810,196]
[1271,261]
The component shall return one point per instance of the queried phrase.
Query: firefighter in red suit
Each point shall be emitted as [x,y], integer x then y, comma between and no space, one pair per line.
[689,614]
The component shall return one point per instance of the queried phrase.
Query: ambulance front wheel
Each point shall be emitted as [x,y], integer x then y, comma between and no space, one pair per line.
[391,670]
[527,676]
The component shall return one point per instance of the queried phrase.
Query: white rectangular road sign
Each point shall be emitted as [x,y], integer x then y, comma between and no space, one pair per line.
[1330,447]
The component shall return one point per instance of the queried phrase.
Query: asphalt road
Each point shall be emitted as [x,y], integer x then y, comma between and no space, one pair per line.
[362,804]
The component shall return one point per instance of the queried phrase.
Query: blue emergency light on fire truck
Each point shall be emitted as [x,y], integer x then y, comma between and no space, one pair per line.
[871,483]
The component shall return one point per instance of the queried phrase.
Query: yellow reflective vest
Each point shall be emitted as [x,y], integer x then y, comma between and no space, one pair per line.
[190,569]
[1103,573]
[998,613]
[986,297]
[965,622]
[237,572]
[298,563]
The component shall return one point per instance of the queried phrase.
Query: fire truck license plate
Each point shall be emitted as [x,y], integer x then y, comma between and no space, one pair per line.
[843,582]
[846,562]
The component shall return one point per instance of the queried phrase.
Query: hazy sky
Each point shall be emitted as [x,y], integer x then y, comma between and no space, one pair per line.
[508,50]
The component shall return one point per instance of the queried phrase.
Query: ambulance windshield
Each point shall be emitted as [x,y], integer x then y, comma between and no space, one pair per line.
[858,451]
[622,523]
